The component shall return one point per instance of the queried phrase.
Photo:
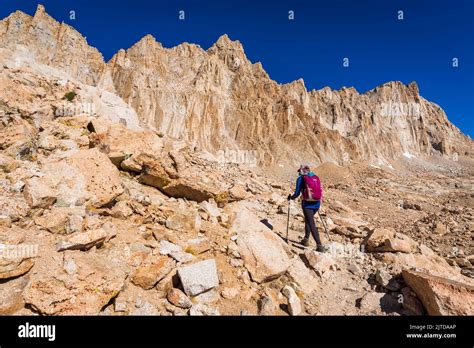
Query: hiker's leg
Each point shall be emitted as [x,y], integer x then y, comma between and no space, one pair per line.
[309,213]
[307,226]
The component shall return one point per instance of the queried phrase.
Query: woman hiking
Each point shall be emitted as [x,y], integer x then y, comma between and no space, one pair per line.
[309,186]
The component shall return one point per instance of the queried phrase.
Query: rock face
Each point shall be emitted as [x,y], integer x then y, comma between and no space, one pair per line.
[223,101]
[51,43]
[217,100]
[441,296]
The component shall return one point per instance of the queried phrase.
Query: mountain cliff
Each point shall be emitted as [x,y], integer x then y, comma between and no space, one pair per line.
[217,100]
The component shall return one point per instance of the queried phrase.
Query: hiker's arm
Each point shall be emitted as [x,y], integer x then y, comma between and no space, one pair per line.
[299,182]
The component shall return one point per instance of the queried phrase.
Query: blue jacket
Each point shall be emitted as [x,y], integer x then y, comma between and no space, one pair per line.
[299,189]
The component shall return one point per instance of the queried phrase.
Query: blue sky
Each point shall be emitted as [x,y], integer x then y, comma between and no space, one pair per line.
[380,47]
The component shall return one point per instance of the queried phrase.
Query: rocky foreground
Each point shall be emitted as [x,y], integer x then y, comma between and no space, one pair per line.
[99,219]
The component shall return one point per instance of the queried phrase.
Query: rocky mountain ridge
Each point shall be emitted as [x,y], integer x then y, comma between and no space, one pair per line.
[217,100]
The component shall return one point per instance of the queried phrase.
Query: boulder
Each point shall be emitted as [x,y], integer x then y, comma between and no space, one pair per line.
[14,208]
[85,290]
[38,193]
[115,138]
[262,251]
[167,248]
[199,277]
[210,208]
[179,298]
[182,256]
[121,210]
[427,262]
[267,305]
[441,296]
[11,295]
[11,268]
[54,220]
[16,257]
[397,245]
[175,251]
[203,309]
[153,269]
[85,240]
[101,176]
[386,280]
[320,262]
[8,164]
[87,176]
[387,240]
[294,303]
[230,293]
[198,245]
[172,174]
[66,182]
[238,192]
[186,220]
[371,302]
[411,303]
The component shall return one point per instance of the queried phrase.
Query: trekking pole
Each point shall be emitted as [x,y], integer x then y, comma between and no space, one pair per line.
[288,222]
[324,225]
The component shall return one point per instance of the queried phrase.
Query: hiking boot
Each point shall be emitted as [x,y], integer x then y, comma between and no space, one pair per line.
[321,248]
[305,242]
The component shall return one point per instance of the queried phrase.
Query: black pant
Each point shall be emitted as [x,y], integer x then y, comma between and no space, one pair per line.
[309,225]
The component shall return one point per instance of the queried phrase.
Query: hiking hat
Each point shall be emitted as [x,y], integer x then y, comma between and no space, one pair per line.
[304,169]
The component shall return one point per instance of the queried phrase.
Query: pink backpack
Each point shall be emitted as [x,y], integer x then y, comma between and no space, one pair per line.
[313,190]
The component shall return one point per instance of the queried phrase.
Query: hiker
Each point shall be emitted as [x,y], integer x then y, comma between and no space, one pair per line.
[309,186]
